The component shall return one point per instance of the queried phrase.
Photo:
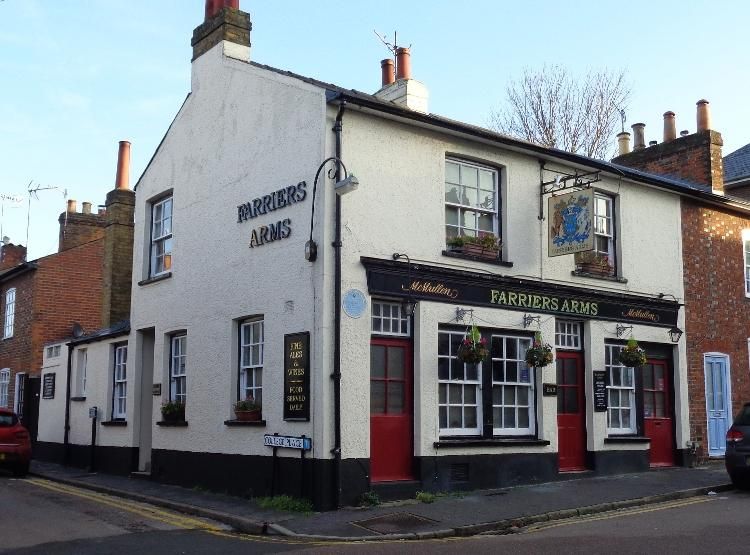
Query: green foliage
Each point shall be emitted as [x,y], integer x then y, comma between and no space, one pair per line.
[487,241]
[247,404]
[370,499]
[285,503]
[426,497]
[172,408]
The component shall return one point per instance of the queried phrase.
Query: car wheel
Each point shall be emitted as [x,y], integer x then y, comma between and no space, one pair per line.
[740,482]
[21,470]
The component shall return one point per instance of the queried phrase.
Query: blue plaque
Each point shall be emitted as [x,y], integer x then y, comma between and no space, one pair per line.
[354,303]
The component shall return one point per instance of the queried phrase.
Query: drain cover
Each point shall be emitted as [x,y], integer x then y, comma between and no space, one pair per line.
[396,523]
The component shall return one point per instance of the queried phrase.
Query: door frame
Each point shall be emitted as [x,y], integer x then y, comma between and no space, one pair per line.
[728,389]
[670,398]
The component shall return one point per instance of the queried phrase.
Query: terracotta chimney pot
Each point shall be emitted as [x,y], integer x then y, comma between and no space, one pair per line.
[623,143]
[386,68]
[123,166]
[214,6]
[72,206]
[86,208]
[670,127]
[403,63]
[639,136]
[703,115]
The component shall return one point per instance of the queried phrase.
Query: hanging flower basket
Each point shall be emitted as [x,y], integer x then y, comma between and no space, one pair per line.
[473,348]
[632,355]
[539,354]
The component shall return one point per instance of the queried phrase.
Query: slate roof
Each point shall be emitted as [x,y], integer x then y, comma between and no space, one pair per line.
[737,164]
[119,328]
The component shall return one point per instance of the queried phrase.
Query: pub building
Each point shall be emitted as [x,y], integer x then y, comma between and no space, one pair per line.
[264,269]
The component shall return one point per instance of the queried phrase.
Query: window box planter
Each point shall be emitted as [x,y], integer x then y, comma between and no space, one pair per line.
[173,412]
[593,264]
[487,247]
[248,415]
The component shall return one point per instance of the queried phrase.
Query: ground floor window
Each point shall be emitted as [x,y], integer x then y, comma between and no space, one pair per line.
[504,373]
[20,392]
[4,385]
[251,360]
[178,369]
[120,387]
[620,393]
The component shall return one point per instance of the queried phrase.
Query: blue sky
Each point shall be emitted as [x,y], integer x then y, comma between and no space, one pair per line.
[80,75]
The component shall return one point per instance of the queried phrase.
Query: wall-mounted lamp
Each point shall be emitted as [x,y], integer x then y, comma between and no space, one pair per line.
[346,185]
[674,334]
[408,305]
[620,329]
[528,318]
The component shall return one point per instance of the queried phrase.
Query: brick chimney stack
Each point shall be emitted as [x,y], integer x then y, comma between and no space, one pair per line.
[11,255]
[225,23]
[692,157]
[403,90]
[77,228]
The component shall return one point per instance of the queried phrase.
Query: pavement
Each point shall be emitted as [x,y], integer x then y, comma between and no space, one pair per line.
[452,514]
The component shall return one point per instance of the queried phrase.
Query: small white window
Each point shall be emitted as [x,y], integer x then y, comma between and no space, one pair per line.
[567,335]
[251,360]
[161,237]
[388,318]
[746,253]
[620,393]
[81,363]
[120,389]
[4,385]
[178,369]
[10,312]
[53,351]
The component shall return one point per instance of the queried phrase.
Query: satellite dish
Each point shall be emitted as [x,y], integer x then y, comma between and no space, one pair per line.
[77,330]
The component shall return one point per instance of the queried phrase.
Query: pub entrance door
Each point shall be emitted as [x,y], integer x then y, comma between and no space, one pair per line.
[571,412]
[658,419]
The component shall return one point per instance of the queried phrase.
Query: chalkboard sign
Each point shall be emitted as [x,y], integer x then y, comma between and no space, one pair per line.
[297,377]
[48,386]
[600,390]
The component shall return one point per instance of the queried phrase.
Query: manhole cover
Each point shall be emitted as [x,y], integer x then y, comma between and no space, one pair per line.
[396,523]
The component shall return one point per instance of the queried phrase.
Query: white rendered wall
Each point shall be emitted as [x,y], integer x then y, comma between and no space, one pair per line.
[52,411]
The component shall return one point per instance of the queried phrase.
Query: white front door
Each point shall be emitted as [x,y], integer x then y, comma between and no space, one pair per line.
[718,402]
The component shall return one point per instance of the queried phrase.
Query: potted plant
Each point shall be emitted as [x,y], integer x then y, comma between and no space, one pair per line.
[632,355]
[591,262]
[486,246]
[539,354]
[247,410]
[173,411]
[473,347]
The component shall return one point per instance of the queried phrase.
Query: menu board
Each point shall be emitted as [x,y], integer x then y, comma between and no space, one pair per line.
[48,386]
[297,376]
[600,390]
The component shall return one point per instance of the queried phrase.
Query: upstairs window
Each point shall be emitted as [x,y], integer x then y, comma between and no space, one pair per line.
[161,237]
[471,200]
[746,251]
[120,385]
[178,369]
[601,261]
[53,351]
[81,363]
[10,311]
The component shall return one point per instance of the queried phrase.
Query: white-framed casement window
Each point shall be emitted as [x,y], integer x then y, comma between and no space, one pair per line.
[471,199]
[10,312]
[389,318]
[81,364]
[459,389]
[251,360]
[746,255]
[4,386]
[620,393]
[53,351]
[567,335]
[604,229]
[512,387]
[119,383]
[178,368]
[161,237]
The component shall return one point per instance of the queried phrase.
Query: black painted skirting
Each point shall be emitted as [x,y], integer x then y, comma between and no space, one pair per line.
[112,460]
[619,462]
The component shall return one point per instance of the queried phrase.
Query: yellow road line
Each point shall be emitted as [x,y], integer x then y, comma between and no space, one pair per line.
[617,513]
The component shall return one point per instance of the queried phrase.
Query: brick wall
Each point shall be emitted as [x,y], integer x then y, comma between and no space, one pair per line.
[15,352]
[118,256]
[77,228]
[716,310]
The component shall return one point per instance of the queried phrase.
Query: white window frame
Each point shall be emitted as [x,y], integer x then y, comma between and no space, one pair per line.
[4,387]
[53,351]
[178,368]
[568,335]
[611,352]
[604,226]
[120,383]
[445,389]
[522,343]
[81,367]
[452,230]
[746,258]
[10,312]
[252,344]
[18,394]
[388,316]
[161,236]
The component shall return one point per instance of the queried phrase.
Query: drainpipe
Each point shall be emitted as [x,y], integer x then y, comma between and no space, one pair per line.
[66,446]
[336,376]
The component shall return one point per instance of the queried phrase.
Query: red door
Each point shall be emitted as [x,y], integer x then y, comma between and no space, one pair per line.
[571,412]
[390,410]
[657,412]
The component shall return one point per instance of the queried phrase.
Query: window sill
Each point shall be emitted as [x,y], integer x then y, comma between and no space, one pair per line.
[120,423]
[253,423]
[627,439]
[155,279]
[451,254]
[172,423]
[490,442]
[616,279]
[83,398]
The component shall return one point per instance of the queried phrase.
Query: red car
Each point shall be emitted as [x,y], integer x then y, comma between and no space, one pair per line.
[15,444]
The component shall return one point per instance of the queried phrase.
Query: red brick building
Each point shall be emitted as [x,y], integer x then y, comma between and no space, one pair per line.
[716,258]
[87,282]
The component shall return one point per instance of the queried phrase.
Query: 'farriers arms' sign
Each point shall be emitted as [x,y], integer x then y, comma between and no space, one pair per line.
[271,202]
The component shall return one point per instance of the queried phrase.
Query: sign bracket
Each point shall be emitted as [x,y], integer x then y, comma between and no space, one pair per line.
[563,182]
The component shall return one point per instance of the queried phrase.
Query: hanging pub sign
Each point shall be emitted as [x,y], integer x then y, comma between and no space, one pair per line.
[570,221]
[600,390]
[297,376]
[424,282]
[48,386]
